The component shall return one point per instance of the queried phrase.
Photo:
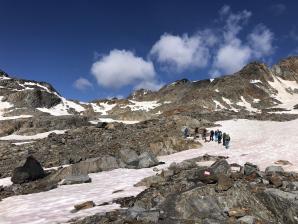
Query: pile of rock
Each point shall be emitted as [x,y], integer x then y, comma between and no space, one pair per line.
[187,193]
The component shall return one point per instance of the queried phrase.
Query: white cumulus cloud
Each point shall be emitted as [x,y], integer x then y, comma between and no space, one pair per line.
[232,52]
[231,57]
[121,68]
[82,84]
[182,52]
[261,41]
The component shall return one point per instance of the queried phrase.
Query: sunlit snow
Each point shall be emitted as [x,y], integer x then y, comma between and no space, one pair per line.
[102,108]
[285,93]
[142,105]
[247,105]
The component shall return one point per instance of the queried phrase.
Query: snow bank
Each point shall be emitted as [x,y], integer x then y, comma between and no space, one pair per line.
[22,143]
[30,137]
[109,120]
[5,182]
[14,117]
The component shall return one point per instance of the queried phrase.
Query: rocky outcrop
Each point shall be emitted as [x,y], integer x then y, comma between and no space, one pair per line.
[158,136]
[33,99]
[31,170]
[38,124]
[181,195]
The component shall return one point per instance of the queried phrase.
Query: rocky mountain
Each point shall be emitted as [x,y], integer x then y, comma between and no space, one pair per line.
[256,88]
[67,140]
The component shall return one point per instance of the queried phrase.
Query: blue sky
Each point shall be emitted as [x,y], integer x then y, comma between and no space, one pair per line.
[97,49]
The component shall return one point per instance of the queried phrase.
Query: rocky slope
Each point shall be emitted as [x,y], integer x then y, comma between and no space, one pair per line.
[35,120]
[222,193]
[29,109]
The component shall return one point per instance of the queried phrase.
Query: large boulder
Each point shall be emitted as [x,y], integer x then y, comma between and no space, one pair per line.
[129,157]
[147,159]
[274,169]
[85,167]
[250,168]
[31,170]
[221,167]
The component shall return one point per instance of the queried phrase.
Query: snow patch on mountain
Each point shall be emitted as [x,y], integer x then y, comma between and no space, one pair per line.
[227,101]
[246,105]
[286,93]
[62,108]
[4,78]
[110,120]
[30,137]
[142,105]
[218,105]
[102,108]
[255,81]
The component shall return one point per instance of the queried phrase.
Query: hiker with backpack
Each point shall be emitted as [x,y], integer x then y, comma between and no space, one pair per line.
[227,141]
[196,133]
[219,137]
[205,134]
[186,132]
[211,135]
[224,139]
[216,135]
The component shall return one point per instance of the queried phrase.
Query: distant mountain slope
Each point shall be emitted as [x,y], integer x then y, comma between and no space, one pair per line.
[254,89]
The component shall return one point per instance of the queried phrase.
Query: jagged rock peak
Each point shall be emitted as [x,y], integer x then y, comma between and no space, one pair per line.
[3,74]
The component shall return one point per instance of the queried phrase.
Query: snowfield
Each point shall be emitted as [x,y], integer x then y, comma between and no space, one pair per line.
[259,142]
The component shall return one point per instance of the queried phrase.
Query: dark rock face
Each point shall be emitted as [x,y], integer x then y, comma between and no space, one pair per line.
[31,170]
[34,99]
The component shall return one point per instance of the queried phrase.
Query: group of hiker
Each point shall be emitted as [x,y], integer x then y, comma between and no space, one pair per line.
[216,136]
